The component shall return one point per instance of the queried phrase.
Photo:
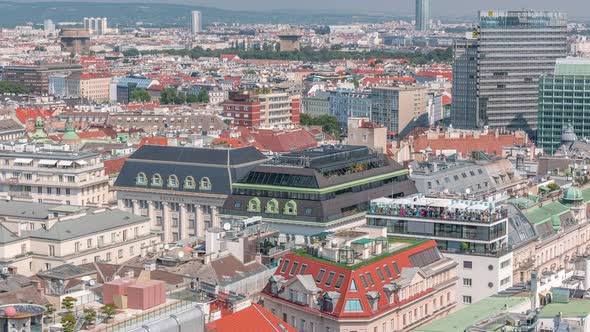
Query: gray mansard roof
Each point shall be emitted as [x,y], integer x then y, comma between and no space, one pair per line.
[221,166]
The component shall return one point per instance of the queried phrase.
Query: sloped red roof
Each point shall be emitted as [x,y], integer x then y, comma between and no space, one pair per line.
[467,143]
[374,284]
[153,141]
[24,114]
[252,319]
[446,100]
[280,141]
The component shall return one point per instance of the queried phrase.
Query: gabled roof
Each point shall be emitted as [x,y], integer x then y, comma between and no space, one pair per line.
[252,319]
[368,273]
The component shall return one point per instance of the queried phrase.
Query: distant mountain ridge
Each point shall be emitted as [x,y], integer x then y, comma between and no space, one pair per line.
[160,14]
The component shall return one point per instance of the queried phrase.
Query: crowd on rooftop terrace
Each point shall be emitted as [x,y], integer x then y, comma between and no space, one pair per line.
[457,211]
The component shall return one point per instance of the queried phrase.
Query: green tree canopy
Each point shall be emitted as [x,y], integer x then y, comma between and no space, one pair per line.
[9,87]
[203,96]
[329,123]
[140,96]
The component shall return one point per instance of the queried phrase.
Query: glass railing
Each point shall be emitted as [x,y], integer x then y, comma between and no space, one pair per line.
[423,212]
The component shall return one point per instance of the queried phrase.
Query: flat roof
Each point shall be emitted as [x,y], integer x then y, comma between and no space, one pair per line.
[471,314]
[34,210]
[575,308]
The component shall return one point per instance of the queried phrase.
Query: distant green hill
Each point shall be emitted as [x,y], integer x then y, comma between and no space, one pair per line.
[159,15]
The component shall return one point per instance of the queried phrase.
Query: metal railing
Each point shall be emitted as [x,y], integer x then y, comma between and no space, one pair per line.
[148,316]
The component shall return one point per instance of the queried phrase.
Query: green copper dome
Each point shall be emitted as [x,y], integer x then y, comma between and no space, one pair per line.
[573,194]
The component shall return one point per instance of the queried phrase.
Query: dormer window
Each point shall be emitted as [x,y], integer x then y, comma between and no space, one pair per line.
[254,205]
[141,179]
[205,184]
[272,207]
[173,181]
[189,182]
[157,180]
[290,208]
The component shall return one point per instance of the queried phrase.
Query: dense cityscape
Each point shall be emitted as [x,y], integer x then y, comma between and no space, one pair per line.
[165,167]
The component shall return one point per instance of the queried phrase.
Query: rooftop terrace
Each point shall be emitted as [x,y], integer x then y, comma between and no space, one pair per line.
[438,208]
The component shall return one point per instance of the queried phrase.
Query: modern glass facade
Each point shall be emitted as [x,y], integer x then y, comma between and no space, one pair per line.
[422,15]
[563,99]
[514,48]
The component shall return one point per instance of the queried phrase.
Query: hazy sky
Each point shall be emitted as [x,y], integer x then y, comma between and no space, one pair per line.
[575,8]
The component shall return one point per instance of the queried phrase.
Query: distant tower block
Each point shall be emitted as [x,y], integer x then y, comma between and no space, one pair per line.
[289,40]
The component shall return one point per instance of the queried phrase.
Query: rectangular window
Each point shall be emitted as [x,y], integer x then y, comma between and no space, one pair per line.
[380,274]
[120,253]
[303,268]
[339,281]
[320,275]
[467,282]
[364,281]
[285,264]
[330,278]
[388,271]
[396,268]
[370,277]
[353,305]
[467,264]
[505,281]
[505,264]
[466,299]
[293,268]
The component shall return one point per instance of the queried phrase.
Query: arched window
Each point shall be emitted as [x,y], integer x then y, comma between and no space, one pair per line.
[189,182]
[141,179]
[173,181]
[290,208]
[205,184]
[272,206]
[254,205]
[156,180]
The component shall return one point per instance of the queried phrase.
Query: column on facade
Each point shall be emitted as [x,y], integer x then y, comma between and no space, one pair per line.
[152,214]
[135,209]
[167,223]
[199,222]
[214,217]
[183,222]
[120,204]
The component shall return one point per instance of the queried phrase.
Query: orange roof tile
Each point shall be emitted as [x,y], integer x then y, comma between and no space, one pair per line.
[252,319]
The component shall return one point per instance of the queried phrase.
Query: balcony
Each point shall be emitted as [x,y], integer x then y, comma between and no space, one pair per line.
[439,209]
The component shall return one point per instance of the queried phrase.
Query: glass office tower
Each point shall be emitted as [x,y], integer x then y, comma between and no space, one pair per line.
[422,15]
[513,49]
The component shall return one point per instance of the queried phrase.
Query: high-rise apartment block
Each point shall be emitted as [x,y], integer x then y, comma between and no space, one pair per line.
[564,99]
[396,107]
[496,71]
[196,22]
[95,25]
[263,109]
[422,15]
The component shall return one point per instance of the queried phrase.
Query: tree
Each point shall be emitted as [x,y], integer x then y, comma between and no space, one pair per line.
[132,53]
[68,303]
[171,96]
[140,96]
[89,316]
[328,123]
[68,322]
[109,310]
[9,87]
[191,99]
[203,96]
[49,310]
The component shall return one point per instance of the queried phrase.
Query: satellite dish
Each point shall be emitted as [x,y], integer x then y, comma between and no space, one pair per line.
[166,246]
[226,226]
[180,254]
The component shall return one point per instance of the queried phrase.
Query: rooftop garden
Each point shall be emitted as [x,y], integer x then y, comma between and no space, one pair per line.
[411,243]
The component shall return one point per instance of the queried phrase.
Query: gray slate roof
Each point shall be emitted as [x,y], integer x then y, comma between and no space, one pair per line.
[31,210]
[87,225]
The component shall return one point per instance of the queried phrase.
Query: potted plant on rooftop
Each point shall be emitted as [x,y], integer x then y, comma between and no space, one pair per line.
[109,310]
[89,318]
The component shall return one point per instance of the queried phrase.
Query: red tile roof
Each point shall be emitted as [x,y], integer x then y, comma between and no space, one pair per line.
[252,319]
[280,141]
[26,113]
[374,284]
[153,141]
[465,143]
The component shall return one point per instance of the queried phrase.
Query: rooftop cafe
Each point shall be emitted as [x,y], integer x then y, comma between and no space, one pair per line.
[419,206]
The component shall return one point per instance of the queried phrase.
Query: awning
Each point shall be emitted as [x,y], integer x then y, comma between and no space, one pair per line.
[23,160]
[65,163]
[47,162]
[81,162]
